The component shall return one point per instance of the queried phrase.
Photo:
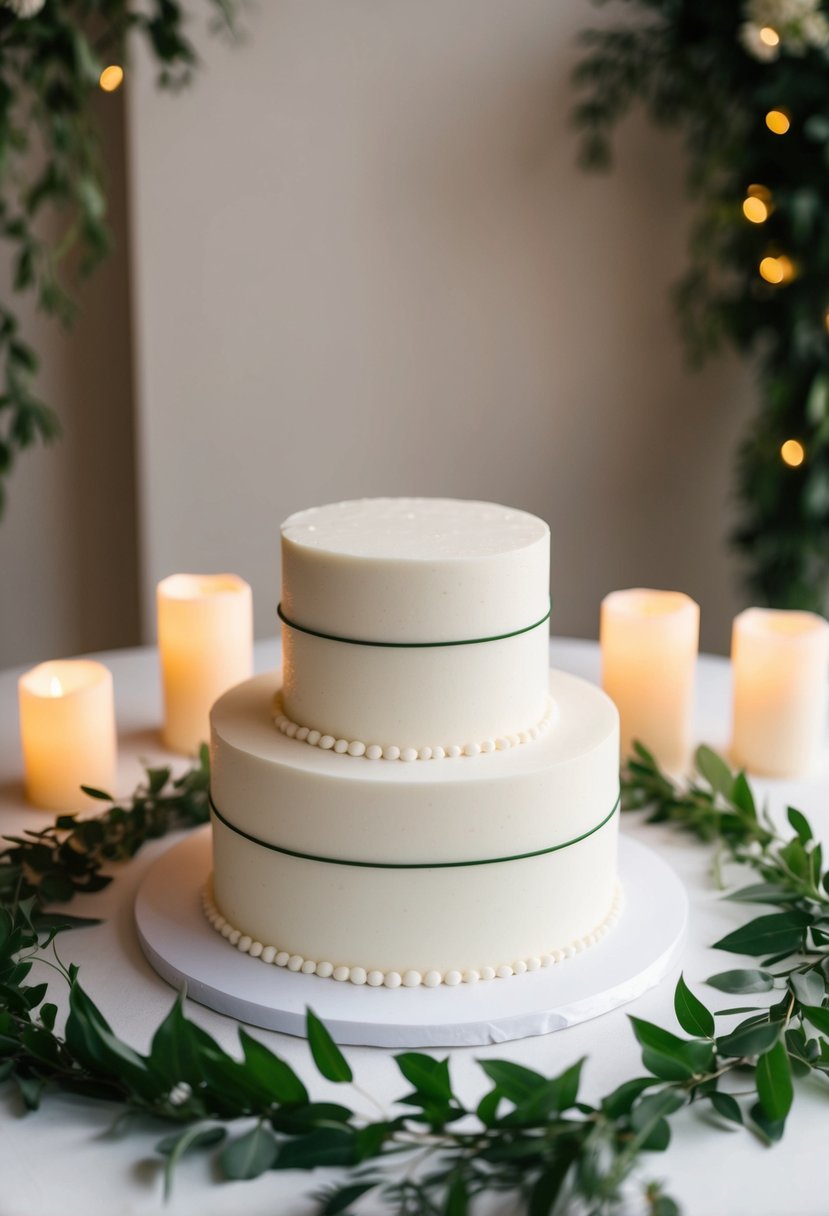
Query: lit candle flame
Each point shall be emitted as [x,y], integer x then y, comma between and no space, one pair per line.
[55,687]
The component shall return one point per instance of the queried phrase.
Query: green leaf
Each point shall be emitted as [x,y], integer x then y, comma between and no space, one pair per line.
[726,1106]
[715,771]
[427,1075]
[249,1155]
[513,1080]
[174,1147]
[273,1074]
[487,1110]
[342,1198]
[691,1014]
[749,1040]
[328,1146]
[328,1058]
[92,792]
[773,934]
[774,1082]
[771,1129]
[48,1014]
[809,987]
[547,1187]
[742,980]
[620,1101]
[763,893]
[31,1090]
[800,824]
[457,1197]
[818,1015]
[666,1055]
[648,1119]
[548,1099]
[742,796]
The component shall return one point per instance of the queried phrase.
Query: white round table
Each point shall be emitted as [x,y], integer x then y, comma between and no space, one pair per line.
[64,1159]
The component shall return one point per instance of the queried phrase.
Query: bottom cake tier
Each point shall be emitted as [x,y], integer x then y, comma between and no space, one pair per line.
[439,871]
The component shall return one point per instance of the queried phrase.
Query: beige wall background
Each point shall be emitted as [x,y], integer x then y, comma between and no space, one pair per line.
[365,262]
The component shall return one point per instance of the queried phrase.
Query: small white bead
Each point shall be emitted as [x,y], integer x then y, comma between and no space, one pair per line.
[291,729]
[281,721]
[533,963]
[408,754]
[523,736]
[268,954]
[391,753]
[341,746]
[374,979]
[226,929]
[358,975]
[438,753]
[488,745]
[341,973]
[374,751]
[425,753]
[569,951]
[324,970]
[412,979]
[546,960]
[256,949]
[393,979]
[452,977]
[513,740]
[327,742]
[308,967]
[487,973]
[303,733]
[533,732]
[234,936]
[504,971]
[559,956]
[313,737]
[295,962]
[503,744]
[219,923]
[453,750]
[519,967]
[244,943]
[356,748]
[282,957]
[431,979]
[472,749]
[471,976]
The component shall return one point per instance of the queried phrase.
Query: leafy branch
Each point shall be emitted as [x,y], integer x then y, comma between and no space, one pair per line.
[530,1137]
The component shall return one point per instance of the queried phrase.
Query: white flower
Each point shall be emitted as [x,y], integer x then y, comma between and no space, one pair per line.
[179,1094]
[24,8]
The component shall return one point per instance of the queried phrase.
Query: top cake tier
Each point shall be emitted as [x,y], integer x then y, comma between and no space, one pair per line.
[417,623]
[415,569]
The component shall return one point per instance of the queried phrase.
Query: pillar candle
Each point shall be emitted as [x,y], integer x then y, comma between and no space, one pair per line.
[649,643]
[67,729]
[780,661]
[205,640]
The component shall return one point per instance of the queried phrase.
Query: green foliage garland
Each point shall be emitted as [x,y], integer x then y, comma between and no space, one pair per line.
[52,179]
[706,70]
[530,1137]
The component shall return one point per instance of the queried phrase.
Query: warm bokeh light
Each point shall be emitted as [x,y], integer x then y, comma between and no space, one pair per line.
[111,78]
[792,453]
[826,319]
[769,36]
[777,270]
[777,122]
[55,687]
[756,210]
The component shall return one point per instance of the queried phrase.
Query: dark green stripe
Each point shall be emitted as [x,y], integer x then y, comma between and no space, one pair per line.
[330,637]
[410,865]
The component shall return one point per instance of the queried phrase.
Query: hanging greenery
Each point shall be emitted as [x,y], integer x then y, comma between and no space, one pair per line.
[747,84]
[534,1139]
[55,56]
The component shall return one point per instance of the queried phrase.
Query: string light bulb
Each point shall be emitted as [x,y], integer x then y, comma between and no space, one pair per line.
[755,209]
[777,269]
[778,122]
[111,78]
[769,36]
[792,453]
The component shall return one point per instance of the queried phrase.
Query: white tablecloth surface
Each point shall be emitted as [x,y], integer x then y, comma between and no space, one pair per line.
[65,1159]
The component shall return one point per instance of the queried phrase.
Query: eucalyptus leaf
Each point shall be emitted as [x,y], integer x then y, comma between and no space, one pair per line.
[715,771]
[774,1082]
[780,931]
[726,1106]
[249,1155]
[749,1040]
[691,1014]
[328,1058]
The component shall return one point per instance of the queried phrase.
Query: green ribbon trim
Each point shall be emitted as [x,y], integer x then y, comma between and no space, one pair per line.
[331,637]
[411,865]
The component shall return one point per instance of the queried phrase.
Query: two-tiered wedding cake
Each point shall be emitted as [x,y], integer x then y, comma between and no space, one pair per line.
[419,800]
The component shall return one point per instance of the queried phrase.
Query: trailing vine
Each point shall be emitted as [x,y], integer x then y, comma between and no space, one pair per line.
[53,181]
[531,1136]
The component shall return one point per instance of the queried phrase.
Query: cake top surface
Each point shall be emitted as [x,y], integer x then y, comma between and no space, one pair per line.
[414,529]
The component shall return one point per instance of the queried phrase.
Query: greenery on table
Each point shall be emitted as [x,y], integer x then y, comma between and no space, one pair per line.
[714,71]
[531,1137]
[53,182]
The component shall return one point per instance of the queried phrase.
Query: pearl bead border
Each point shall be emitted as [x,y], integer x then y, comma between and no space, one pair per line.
[375,751]
[406,979]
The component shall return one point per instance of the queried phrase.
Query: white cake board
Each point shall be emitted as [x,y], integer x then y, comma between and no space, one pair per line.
[187,952]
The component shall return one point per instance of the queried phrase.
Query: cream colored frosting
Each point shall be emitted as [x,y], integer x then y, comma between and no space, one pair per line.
[485,806]
[415,570]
